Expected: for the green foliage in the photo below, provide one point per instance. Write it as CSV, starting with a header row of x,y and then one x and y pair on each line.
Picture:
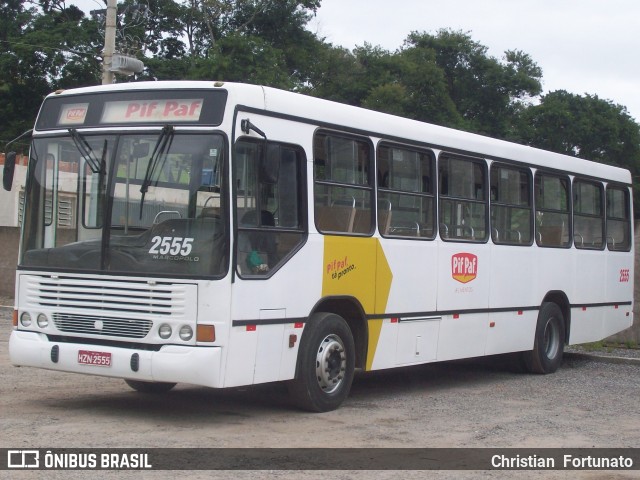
x,y
244,59
586,127
41,51
446,77
485,91
583,126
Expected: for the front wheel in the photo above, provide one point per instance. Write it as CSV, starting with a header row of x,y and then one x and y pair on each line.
x,y
548,346
326,364
150,387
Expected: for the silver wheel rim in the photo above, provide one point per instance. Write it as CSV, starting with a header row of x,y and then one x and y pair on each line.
x,y
551,338
331,363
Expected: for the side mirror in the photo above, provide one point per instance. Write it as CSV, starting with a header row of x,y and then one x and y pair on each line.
x,y
9,167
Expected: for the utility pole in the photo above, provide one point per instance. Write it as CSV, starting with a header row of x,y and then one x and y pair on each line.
x,y
109,42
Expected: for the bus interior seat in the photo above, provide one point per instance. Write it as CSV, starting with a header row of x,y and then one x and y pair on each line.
x,y
362,221
335,218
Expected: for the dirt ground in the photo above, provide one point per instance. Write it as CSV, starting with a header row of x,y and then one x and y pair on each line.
x,y
587,403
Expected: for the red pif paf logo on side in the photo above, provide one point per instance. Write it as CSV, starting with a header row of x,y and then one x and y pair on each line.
x,y
464,267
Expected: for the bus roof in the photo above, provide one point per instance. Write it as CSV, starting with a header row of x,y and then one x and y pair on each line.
x,y
377,124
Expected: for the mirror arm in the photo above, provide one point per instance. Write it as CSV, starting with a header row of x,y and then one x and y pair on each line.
x,y
246,126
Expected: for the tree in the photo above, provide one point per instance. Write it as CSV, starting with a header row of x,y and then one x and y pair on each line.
x,y
255,41
487,93
41,50
586,127
583,126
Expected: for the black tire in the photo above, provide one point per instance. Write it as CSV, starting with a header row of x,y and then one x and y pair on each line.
x,y
326,364
149,387
548,346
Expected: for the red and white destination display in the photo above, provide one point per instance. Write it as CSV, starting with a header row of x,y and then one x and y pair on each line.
x,y
100,359
144,111
73,114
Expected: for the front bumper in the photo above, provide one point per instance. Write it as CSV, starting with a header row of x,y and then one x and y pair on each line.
x,y
172,363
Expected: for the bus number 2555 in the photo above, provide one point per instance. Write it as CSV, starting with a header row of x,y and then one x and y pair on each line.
x,y
171,246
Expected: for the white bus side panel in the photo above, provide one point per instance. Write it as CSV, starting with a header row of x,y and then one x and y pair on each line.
x,y
555,272
588,275
414,265
409,337
463,285
618,287
241,356
512,271
260,352
511,331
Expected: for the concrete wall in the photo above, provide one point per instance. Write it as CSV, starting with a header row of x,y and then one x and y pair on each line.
x,y
9,239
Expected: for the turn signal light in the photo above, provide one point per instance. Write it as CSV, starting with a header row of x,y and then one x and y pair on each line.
x,y
205,333
15,318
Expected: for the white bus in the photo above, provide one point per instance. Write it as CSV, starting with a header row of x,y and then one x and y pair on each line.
x,y
224,234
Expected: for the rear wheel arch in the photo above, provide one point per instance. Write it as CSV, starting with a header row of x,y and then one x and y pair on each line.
x,y
560,298
548,347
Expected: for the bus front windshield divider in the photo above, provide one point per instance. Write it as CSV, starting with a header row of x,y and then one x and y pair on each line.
x,y
163,144
87,152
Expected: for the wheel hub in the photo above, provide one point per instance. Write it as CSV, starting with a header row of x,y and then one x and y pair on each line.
x,y
551,339
331,363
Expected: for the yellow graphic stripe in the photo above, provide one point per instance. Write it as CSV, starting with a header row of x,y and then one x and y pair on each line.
x,y
357,267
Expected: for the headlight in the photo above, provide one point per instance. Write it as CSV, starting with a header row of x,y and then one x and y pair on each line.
x,y
186,333
164,331
43,321
25,319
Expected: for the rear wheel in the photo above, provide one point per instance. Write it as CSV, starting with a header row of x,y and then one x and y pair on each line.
x,y
326,364
548,346
149,387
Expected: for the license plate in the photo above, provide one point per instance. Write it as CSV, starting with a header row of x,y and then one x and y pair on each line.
x,y
101,359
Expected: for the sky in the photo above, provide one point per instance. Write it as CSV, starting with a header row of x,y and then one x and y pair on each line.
x,y
583,46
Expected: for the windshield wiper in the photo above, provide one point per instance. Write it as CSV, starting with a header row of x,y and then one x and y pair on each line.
x,y
162,144
96,166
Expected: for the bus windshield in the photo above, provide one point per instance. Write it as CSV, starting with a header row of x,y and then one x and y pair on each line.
x,y
131,203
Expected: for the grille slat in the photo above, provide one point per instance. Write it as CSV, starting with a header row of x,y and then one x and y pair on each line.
x,y
109,296
115,327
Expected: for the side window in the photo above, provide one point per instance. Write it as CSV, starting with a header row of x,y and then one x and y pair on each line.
x,y
406,204
343,189
588,214
270,204
552,210
463,198
511,205
618,219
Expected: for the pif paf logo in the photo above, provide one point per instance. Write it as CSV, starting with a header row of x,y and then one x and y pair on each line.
x,y
464,267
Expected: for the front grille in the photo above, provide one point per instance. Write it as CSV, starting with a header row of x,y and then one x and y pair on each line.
x,y
104,307
108,296
101,325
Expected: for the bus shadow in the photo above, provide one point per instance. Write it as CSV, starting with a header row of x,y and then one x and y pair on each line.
x,y
236,405
438,376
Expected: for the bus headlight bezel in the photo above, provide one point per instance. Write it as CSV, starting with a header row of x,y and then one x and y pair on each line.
x,y
186,333
42,320
165,331
25,319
